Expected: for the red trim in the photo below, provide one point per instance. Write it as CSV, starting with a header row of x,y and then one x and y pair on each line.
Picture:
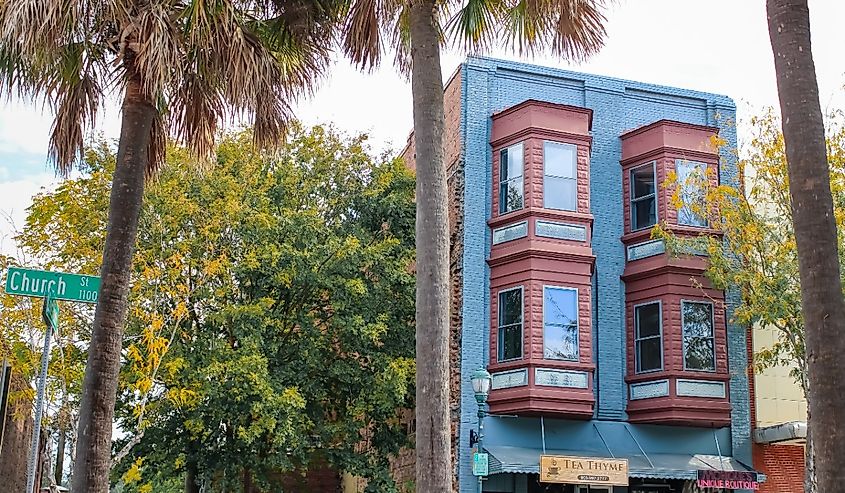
x,y
546,104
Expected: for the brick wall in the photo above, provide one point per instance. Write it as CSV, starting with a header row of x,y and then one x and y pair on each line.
x,y
783,466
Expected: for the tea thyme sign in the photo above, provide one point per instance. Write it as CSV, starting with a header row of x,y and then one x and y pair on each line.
x,y
583,470
51,286
62,286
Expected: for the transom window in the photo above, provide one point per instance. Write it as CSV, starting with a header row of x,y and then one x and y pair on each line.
x,y
560,183
699,344
560,323
648,337
643,197
510,324
691,180
511,186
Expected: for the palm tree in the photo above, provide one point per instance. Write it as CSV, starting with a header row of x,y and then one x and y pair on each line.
x,y
822,304
416,30
182,67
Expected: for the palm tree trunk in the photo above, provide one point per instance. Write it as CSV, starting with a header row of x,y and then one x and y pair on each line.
x,y
93,446
433,444
815,233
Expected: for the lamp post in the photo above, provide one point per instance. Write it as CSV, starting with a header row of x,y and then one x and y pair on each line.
x,y
481,381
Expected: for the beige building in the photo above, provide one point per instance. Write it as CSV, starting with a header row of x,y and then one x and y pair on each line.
x,y
780,423
778,398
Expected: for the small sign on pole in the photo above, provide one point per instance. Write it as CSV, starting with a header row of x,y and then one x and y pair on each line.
x,y
480,464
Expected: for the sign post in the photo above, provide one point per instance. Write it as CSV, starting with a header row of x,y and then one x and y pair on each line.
x,y
51,286
50,314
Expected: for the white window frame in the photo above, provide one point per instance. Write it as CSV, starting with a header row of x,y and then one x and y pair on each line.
x,y
633,200
712,335
696,164
499,346
547,175
521,178
637,337
577,323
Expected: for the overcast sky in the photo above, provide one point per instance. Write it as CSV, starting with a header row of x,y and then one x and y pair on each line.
x,y
719,46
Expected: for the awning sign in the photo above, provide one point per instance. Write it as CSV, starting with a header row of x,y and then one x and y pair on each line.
x,y
583,470
732,480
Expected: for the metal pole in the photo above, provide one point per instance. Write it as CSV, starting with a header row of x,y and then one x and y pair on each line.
x,y
480,440
32,464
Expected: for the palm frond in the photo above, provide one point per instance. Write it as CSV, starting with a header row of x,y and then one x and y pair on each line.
x,y
76,102
477,25
362,33
572,29
159,48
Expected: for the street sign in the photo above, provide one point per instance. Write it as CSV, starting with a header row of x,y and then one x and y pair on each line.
x,y
50,313
480,464
61,286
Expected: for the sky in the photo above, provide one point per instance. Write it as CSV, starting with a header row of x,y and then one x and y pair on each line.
x,y
719,46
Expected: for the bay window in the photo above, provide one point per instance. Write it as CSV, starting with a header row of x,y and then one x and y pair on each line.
x,y
648,337
560,183
699,344
510,324
560,323
511,186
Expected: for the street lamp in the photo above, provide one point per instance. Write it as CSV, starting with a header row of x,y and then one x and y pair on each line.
x,y
481,381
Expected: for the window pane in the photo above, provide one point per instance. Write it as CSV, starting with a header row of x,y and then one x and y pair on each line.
x,y
560,314
691,180
559,159
648,354
644,213
699,350
510,195
510,342
642,181
648,320
559,193
510,307
560,306
511,162
560,342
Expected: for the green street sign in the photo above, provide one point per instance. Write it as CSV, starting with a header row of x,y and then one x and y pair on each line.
x,y
480,464
60,286
50,313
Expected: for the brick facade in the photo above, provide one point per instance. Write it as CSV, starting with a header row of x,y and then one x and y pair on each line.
x,y
783,466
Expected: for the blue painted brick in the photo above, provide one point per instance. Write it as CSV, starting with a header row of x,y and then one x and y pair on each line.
x,y
489,86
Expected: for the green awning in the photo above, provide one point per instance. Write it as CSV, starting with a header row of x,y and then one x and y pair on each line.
x,y
504,459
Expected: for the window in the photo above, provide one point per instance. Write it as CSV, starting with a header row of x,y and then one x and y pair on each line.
x,y
560,189
510,324
510,179
560,323
699,346
648,337
643,197
691,180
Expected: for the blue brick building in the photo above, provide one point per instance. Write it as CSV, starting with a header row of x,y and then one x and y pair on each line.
x,y
599,345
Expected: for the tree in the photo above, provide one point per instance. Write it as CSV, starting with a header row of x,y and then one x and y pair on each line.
x,y
416,30
247,281
756,251
182,67
822,303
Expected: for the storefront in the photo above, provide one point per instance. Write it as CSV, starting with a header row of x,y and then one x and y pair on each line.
x,y
611,457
